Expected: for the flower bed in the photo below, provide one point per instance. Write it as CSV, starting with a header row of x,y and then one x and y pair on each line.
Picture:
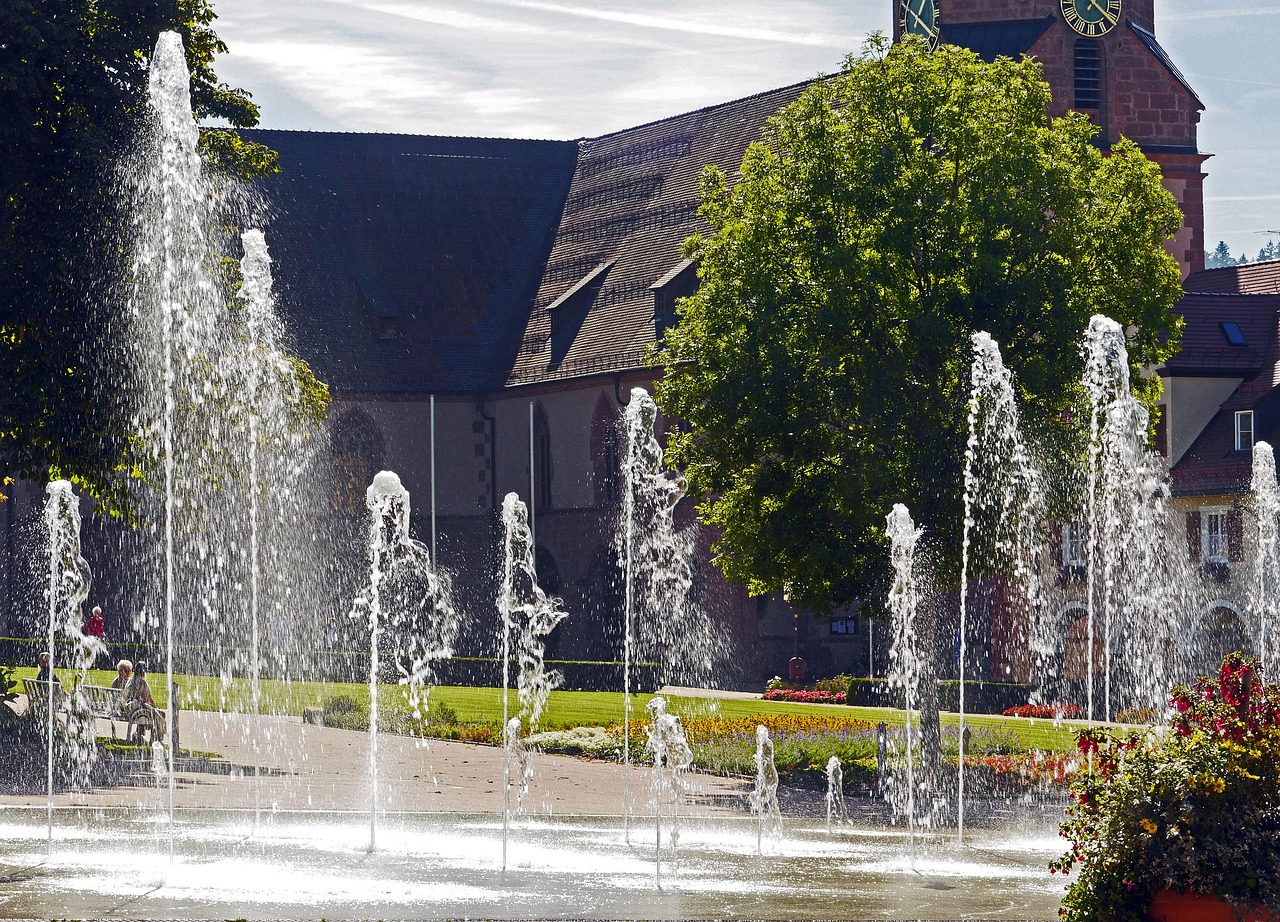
x,y
805,696
1046,711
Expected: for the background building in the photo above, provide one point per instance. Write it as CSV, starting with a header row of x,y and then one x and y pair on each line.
x,y
482,308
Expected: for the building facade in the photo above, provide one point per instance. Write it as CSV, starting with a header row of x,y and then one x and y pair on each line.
x,y
482,309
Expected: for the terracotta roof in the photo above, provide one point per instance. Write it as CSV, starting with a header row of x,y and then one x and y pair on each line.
x,y
990,40
1206,348
411,261
1248,278
632,203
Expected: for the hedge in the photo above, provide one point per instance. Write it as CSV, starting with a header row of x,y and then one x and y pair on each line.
x,y
343,666
979,697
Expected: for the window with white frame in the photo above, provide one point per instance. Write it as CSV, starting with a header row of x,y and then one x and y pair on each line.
x,y
1244,430
1214,535
1073,538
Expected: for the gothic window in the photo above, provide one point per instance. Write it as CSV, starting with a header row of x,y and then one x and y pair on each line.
x,y
356,454
605,454
1088,71
541,460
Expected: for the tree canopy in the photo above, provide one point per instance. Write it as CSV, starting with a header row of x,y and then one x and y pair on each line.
x,y
73,88
821,369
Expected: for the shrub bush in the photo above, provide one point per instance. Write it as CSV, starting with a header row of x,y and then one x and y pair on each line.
x,y
1191,809
979,697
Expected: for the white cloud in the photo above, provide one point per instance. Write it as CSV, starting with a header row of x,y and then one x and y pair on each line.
x,y
1199,13
725,22
573,68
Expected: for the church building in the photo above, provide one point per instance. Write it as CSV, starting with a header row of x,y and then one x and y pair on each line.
x,y
482,308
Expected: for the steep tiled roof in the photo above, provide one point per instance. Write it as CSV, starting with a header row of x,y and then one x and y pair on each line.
x,y
1206,349
991,40
633,201
1212,465
411,261
1249,278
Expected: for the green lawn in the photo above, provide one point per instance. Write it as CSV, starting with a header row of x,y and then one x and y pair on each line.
x,y
566,709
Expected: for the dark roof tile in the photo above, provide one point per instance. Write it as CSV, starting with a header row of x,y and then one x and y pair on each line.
x,y
411,261
1206,349
633,201
1248,278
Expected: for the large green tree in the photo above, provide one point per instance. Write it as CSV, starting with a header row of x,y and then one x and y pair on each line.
x,y
821,370
73,79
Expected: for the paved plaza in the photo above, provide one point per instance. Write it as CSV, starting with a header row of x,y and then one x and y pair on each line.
x,y
307,767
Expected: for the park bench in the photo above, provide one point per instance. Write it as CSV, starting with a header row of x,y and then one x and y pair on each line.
x,y
100,700
38,699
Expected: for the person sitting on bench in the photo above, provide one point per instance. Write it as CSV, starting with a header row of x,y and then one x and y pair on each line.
x,y
124,672
141,706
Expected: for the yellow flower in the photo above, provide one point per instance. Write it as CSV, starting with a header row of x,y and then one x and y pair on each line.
x,y
1149,826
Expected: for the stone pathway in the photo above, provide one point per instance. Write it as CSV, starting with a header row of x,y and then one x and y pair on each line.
x,y
305,767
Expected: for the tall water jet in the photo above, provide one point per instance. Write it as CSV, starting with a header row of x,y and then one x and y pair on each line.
x,y
261,329
1129,531
661,619
408,607
209,387
528,616
1003,503
904,658
837,812
764,797
672,757
175,306
69,580
1266,509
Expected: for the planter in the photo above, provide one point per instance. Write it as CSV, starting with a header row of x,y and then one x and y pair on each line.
x,y
1171,906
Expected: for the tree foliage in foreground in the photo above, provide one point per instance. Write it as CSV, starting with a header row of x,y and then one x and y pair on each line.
x,y
822,367
73,81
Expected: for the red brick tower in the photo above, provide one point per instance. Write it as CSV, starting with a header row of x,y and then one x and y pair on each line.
x,y
1100,57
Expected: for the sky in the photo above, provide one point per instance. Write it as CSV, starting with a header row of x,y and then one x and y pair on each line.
x,y
571,68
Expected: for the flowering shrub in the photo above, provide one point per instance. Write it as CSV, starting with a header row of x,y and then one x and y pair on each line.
x,y
1137,716
1046,711
802,743
805,696
1014,773
1195,808
839,684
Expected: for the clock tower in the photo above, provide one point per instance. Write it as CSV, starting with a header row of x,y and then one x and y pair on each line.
x,y
1102,58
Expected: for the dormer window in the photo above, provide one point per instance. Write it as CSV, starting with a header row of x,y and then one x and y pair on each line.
x,y
1244,430
1231,330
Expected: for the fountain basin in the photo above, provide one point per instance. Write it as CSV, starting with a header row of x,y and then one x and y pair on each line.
x,y
107,862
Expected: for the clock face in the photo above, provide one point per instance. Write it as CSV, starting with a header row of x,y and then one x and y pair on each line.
x,y
1091,17
920,18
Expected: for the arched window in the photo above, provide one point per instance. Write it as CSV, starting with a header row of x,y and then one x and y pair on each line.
x,y
356,452
1220,629
604,453
542,460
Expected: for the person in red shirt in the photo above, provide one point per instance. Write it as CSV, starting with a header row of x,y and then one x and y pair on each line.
x,y
96,626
